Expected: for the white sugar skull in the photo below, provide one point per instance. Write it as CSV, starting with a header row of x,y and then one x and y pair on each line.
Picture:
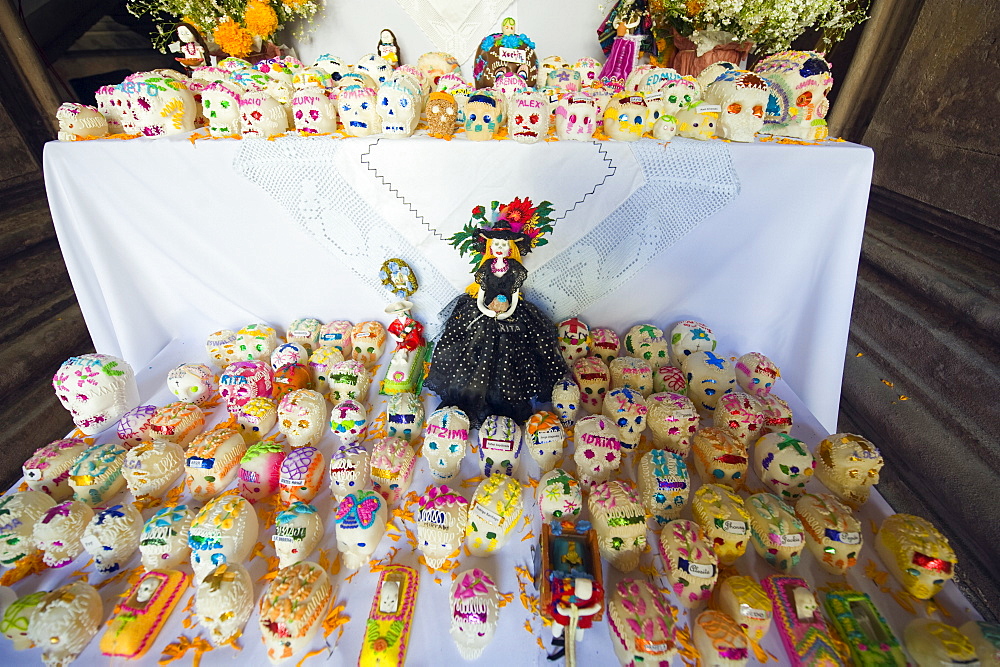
x,y
368,340
713,72
301,475
213,462
559,496
356,105
598,450
784,464
576,118
224,601
289,353
256,342
698,121
742,100
689,562
293,608
108,101
528,120
633,373
800,83
677,94
550,63
545,440
349,470
153,467
777,534
620,522
358,79
260,470
665,127
312,78
97,474
221,347
720,458
639,334
566,401
193,383
709,376
849,466
97,389
458,88
65,621
481,117
496,509
297,532
133,427
349,380
360,517
442,115
163,542
251,80
509,84
664,484
349,421
391,468
244,380
404,416
628,410
337,334
446,439
669,379
625,117
833,535
475,608
177,422
499,446
112,536
723,517
79,120
436,64
398,108
673,421
220,104
256,418
777,413
332,65
305,331
756,374
59,530
593,378
605,344
262,115
574,340
375,66
162,105
441,521
740,415
319,367
565,79
302,417
589,70
224,531
47,470
640,619
19,512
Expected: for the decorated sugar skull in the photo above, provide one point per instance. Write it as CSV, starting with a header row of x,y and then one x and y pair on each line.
x,y
689,336
251,80
655,352
545,439
301,475
177,422
441,519
576,118
739,414
625,117
332,65
391,468
193,383
108,98
720,458
499,446
639,334
368,340
605,344
641,621
244,380
777,413
349,470
133,427
564,79
574,340
159,105
593,378
916,554
633,373
566,401
337,334
356,105
724,519
153,467
261,115
19,512
481,118
293,608
460,90
475,607
598,450
800,83
589,70
528,119
669,379
224,601
297,532
442,114
930,642
256,418
665,127
213,462
404,416
436,64
832,534
698,121
319,367
256,342
65,621
620,522
776,533
312,77
709,376
358,79
784,464
97,474
221,347
97,389
163,542
302,417
47,470
673,421
220,103
398,108
677,94
446,439
549,64
713,72
112,536
59,530
360,518
744,601
79,120
628,410
224,531
260,470
721,639
849,466
16,619
377,67
688,561
349,421
559,496
289,353
289,378
742,100
756,374
664,484
496,509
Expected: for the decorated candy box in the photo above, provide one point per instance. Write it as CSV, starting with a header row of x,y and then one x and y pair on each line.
x,y
19,512
862,628
193,383
743,599
224,601
133,427
495,511
97,475
803,631
302,417
224,530
213,461
136,622
931,643
784,464
292,609
689,562
163,542
297,532
475,608
664,484
349,421
598,450
112,536
65,620
256,418
152,467
177,422
260,470
566,401
499,446
545,440
620,522
916,554
360,518
442,518
720,641
832,533
392,463
387,631
97,389
641,623
627,409
301,475
722,514
849,466
739,415
47,470
776,532
673,421
349,470
559,496
719,458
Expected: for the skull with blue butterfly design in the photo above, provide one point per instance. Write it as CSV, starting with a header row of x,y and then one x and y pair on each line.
x,y
360,518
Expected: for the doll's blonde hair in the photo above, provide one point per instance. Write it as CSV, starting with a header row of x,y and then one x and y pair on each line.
x,y
515,253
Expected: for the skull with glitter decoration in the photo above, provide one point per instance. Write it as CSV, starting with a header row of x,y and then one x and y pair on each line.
x,y
224,602
260,470
744,601
97,474
849,466
153,467
598,450
724,518
475,608
261,115
756,374
193,383
177,422
677,94
360,518
545,439
566,401
349,421
256,418
719,458
777,413
499,446
641,621
213,461
302,417
163,542
97,389
244,380
59,530
628,410
391,467
689,562
19,512
709,376
293,608
289,353
224,531
832,533
47,470
495,511
784,464
739,414
301,475
574,340
356,105
559,496
721,639
776,533
800,83
441,519
916,554
664,484
625,117
620,522
528,120
349,470
133,427
742,99
404,416
65,621
633,373
297,532
112,536
446,439
593,378
576,118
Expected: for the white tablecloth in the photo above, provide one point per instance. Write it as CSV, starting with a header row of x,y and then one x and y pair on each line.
x,y
168,241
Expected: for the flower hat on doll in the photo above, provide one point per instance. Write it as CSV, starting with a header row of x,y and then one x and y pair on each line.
x,y
519,221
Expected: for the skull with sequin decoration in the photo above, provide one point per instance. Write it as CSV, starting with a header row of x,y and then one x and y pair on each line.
x,y
593,378
689,562
224,530
574,340
620,522
720,458
673,421
499,446
849,466
664,484
97,389
598,450
800,83
784,464
360,518
709,376
625,117
441,521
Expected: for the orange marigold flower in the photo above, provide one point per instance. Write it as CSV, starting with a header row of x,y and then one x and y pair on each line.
x,y
233,38
260,19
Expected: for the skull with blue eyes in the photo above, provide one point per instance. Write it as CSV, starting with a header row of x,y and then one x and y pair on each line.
x,y
446,439
481,118
709,376
627,409
356,106
566,401
663,484
499,446
756,374
375,66
398,109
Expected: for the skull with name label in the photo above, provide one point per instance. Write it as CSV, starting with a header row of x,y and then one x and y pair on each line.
x,y
528,120
742,100
314,112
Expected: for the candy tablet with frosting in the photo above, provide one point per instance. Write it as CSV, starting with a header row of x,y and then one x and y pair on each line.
x,y
776,533
743,599
213,461
97,474
152,467
475,609
302,472
441,521
688,561
916,554
496,508
641,622
620,522
137,621
48,468
293,608
177,422
723,517
163,542
833,535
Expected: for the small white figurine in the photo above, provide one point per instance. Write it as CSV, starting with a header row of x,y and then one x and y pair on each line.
x,y
360,517
224,601
59,530
65,621
446,439
97,389
163,542
499,446
475,607
292,609
496,509
784,464
689,562
391,468
442,518
19,512
224,530
47,470
297,532
545,440
664,484
153,467
559,496
598,450
620,522
112,536
302,417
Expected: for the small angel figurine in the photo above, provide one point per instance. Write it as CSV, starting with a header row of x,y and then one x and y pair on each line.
x,y
191,46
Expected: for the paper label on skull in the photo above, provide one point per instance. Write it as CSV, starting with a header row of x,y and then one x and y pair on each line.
x,y
282,538
850,538
545,437
709,108
654,97
290,481
498,445
299,333
89,542
700,570
732,527
752,612
790,540
486,515
513,55
654,648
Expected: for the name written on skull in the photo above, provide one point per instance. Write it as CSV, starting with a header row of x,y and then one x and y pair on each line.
x,y
444,432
